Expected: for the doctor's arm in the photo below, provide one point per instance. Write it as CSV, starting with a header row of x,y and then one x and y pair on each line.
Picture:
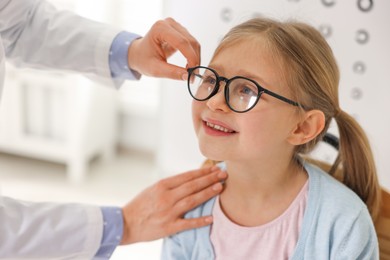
x,y
51,230
37,35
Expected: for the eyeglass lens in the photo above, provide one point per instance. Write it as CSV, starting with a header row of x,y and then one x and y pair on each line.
x,y
241,93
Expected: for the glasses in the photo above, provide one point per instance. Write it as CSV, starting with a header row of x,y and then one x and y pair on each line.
x,y
241,94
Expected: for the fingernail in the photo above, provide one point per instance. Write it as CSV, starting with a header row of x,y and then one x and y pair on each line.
x,y
215,168
217,187
184,76
208,219
222,175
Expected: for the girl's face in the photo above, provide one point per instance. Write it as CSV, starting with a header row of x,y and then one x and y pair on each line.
x,y
259,134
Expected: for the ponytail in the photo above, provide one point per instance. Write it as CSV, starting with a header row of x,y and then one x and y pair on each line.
x,y
358,170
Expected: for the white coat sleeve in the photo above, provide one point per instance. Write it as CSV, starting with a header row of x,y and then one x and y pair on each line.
x,y
48,231
36,35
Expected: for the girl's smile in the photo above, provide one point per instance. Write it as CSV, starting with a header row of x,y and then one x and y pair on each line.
x,y
216,128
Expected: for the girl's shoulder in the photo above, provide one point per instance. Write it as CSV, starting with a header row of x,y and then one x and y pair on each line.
x,y
192,243
330,194
336,220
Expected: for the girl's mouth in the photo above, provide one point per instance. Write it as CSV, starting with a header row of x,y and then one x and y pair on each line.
x,y
217,129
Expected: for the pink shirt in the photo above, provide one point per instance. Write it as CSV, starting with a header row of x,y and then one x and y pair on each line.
x,y
274,240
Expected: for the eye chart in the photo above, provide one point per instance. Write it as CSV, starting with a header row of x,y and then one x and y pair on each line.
x,y
358,32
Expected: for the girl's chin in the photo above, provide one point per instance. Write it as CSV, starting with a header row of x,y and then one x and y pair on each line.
x,y
214,156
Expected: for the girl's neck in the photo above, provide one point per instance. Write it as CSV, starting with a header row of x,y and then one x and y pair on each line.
x,y
258,192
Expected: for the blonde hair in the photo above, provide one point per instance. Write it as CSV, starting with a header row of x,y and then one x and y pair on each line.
x,y
312,75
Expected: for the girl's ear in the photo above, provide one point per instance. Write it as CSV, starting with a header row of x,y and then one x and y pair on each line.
x,y
308,128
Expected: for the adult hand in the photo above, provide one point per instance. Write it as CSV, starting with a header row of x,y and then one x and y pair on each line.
x,y
148,55
158,210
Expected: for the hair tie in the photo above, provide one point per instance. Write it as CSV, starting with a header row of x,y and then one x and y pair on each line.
x,y
337,112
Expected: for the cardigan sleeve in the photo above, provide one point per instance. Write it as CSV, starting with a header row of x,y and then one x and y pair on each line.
x,y
360,240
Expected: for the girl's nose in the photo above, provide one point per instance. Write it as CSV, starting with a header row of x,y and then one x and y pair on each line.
x,y
218,101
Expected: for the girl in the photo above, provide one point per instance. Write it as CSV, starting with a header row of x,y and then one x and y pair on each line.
x,y
264,101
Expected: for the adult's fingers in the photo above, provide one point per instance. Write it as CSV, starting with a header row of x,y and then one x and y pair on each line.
x,y
191,223
169,34
191,201
167,70
194,43
197,185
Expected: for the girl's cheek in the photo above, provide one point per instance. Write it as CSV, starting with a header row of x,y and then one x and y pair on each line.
x,y
196,115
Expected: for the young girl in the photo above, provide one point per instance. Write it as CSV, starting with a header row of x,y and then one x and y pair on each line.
x,y
264,101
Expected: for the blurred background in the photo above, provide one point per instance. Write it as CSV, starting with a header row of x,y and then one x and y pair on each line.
x,y
65,138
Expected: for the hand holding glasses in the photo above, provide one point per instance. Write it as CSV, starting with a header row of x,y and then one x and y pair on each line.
x,y
241,93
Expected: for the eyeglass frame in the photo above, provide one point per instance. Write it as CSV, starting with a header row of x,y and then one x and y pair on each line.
x,y
227,81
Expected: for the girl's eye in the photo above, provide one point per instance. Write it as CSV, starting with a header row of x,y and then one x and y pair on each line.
x,y
247,90
210,80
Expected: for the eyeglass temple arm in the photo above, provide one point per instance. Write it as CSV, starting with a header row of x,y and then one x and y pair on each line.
x,y
289,101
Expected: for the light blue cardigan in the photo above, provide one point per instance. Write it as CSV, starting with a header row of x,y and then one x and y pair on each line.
x,y
336,225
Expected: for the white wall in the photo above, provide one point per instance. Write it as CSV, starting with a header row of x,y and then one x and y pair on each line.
x,y
363,94
139,100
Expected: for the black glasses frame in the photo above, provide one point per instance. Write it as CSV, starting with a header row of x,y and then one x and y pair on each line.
x,y
261,90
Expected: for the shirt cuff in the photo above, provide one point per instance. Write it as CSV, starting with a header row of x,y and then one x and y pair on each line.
x,y
112,231
118,57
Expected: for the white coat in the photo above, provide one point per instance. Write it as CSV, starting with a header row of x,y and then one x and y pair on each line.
x,y
34,34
